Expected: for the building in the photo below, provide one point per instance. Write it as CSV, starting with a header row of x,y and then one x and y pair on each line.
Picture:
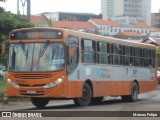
x,y
144,29
127,11
155,19
69,16
111,28
134,36
106,27
155,33
77,25
40,21
95,26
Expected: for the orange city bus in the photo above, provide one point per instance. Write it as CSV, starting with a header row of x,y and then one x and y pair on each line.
x,y
53,63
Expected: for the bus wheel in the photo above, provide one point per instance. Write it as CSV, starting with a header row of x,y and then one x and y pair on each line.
x,y
39,102
96,100
86,96
134,94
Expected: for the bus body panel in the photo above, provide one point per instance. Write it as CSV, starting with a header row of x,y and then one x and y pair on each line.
x,y
114,80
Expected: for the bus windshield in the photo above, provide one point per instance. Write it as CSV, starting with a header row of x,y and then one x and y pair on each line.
x,y
27,57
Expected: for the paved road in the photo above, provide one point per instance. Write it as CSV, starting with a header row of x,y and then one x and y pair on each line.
x,y
147,102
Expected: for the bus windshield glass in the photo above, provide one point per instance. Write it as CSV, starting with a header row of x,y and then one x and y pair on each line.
x,y
36,34
27,57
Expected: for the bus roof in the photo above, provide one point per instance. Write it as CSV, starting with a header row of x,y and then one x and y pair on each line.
x,y
70,32
104,38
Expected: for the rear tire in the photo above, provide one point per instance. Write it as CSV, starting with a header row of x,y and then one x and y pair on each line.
x,y
39,102
134,94
86,96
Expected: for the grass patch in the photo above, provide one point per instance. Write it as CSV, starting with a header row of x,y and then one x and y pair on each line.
x,y
3,90
18,99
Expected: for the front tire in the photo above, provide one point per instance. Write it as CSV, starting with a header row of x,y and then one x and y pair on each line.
x,y
86,96
39,102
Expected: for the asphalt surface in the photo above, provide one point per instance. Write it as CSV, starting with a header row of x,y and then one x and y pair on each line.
x,y
147,102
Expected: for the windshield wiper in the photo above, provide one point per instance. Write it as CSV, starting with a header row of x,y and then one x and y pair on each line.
x,y
43,49
25,52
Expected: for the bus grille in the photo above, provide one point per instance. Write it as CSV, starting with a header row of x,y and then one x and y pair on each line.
x,y
32,76
27,85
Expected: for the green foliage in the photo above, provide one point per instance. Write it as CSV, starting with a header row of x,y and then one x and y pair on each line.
x,y
3,0
1,9
2,88
50,23
10,21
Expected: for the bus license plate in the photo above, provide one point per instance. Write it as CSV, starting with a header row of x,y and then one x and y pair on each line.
x,y
31,92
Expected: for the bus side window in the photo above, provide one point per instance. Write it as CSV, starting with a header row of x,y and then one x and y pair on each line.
x,y
146,57
127,55
88,51
103,53
149,58
111,54
138,55
152,58
116,54
132,56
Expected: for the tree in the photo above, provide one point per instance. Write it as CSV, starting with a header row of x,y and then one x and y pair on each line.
x,y
10,21
3,0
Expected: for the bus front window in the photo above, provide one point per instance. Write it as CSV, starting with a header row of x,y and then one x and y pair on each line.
x,y
27,57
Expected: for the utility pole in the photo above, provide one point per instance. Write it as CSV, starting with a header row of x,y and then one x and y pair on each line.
x,y
28,10
17,6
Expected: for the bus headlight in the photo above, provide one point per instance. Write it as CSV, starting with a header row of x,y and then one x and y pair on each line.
x,y
53,84
13,84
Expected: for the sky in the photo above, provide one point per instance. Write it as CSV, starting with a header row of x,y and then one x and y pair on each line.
x,y
82,6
